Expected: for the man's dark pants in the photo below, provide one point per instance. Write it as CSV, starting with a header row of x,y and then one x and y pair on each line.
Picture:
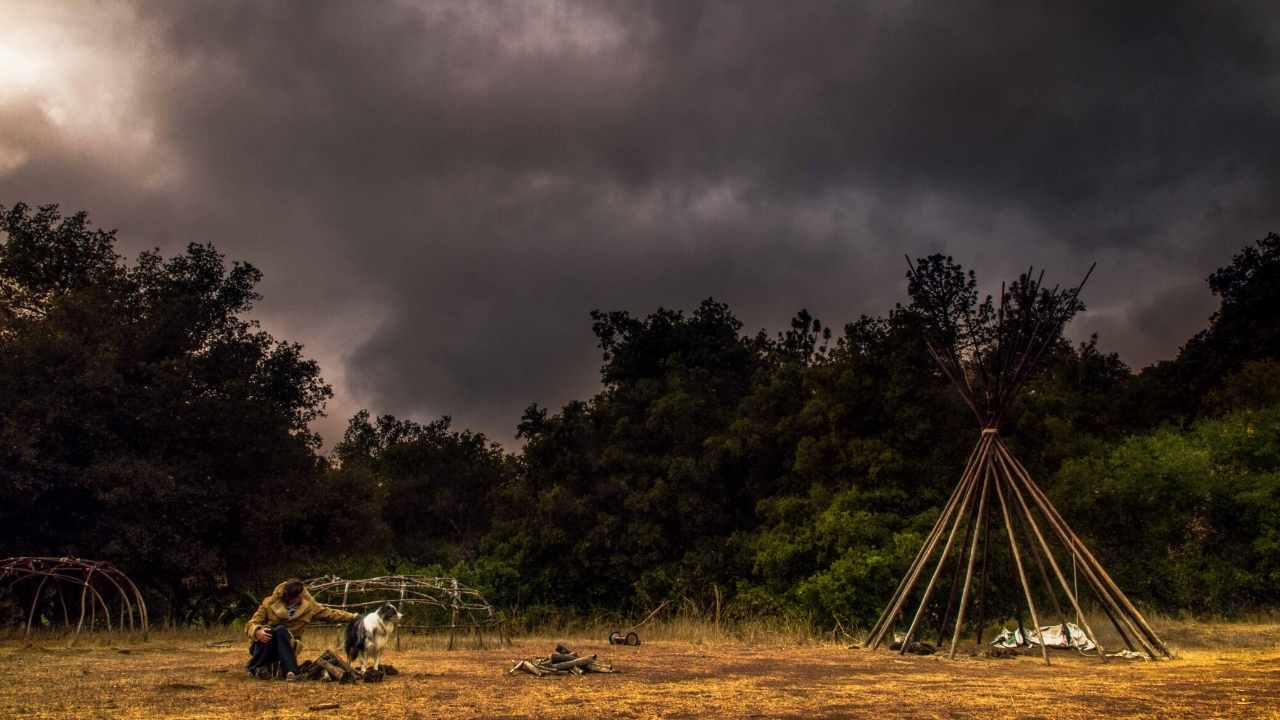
x,y
279,649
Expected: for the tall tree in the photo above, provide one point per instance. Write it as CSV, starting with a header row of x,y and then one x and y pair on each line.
x,y
143,417
437,484
1245,327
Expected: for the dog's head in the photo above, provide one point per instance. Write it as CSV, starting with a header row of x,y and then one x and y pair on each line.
x,y
389,614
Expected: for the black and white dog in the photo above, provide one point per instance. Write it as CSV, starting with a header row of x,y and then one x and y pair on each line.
x,y
368,635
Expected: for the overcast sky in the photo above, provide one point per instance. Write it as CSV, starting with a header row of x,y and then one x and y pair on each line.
x,y
438,193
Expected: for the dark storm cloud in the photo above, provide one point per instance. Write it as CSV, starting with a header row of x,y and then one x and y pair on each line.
x,y
439,193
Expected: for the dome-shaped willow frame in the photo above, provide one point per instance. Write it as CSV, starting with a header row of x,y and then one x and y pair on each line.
x,y
466,607
95,585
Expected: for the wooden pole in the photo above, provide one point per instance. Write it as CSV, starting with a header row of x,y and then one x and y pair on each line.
x,y
983,579
946,548
1048,584
904,588
1022,575
968,574
453,626
83,595
124,597
927,550
62,600
1110,604
955,585
397,609
1044,545
106,611
142,607
887,615
1090,561
34,603
1107,603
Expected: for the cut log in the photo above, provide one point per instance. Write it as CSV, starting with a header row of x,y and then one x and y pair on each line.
x,y
337,660
562,661
570,664
914,647
528,667
311,670
333,671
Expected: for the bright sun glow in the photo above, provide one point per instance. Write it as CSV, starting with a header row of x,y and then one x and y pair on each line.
x,y
26,68
79,66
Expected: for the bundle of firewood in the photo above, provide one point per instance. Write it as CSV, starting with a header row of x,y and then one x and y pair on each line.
x,y
329,667
562,661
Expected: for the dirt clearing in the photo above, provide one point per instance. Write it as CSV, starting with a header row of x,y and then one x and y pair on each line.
x,y
185,678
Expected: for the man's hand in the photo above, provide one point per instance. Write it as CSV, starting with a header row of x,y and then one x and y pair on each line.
x,y
262,635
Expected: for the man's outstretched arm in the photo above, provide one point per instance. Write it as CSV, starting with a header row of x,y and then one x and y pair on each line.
x,y
328,614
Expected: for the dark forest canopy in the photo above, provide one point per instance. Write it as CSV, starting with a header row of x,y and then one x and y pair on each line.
x,y
146,419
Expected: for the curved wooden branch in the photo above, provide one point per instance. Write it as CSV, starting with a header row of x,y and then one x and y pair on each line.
x,y
79,572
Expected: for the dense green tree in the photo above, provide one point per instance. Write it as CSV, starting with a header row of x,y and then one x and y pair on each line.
x,y
142,417
435,485
1245,327
617,499
1186,520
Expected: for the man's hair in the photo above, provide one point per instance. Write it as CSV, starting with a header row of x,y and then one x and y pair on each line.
x,y
293,588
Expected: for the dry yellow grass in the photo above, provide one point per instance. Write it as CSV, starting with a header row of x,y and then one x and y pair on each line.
x,y
710,676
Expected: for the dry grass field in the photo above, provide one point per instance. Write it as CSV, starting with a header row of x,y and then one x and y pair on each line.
x,y
1222,670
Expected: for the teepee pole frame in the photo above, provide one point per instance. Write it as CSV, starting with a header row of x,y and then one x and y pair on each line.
x,y
989,356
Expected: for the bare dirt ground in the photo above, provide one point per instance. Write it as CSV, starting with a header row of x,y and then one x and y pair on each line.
x,y
183,677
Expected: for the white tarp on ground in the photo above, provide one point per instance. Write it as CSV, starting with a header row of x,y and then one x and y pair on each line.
x,y
1066,635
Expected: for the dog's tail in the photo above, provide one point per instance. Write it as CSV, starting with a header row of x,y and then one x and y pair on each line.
x,y
355,638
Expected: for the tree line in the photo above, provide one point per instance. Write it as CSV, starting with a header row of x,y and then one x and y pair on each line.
x,y
146,419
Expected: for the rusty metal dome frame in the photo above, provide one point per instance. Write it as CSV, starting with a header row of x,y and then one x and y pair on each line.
x,y
101,584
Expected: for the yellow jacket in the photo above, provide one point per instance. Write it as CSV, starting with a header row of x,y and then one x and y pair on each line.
x,y
273,611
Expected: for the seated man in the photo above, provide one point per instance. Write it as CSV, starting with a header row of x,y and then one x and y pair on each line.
x,y
279,620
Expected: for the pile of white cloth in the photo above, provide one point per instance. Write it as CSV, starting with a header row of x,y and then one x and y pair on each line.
x,y
1066,635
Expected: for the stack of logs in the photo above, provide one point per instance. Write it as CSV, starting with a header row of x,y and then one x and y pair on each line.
x,y
331,668
562,662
